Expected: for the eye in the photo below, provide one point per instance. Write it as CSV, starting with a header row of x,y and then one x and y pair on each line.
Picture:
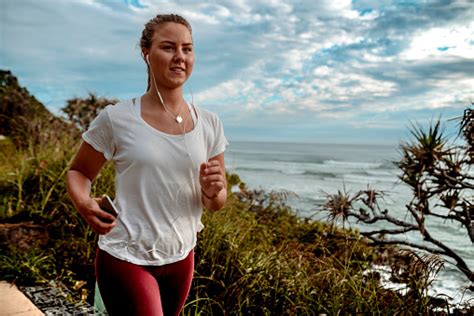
x,y
187,50
168,48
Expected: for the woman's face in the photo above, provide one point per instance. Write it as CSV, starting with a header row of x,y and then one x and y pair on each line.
x,y
171,55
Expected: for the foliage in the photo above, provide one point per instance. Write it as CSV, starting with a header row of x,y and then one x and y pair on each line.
x,y
254,257
439,174
25,120
35,191
81,111
30,267
466,128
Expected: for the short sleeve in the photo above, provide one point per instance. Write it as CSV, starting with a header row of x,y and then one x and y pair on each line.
x,y
100,135
220,142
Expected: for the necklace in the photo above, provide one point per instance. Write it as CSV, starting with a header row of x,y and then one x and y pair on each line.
x,y
178,118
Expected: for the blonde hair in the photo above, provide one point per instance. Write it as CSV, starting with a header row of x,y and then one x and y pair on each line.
x,y
152,25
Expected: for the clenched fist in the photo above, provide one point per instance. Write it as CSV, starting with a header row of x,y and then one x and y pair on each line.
x,y
211,178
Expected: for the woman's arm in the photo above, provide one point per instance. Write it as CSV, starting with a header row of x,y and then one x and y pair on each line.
x,y
213,183
85,167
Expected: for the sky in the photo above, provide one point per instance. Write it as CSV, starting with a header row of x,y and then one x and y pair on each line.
x,y
328,71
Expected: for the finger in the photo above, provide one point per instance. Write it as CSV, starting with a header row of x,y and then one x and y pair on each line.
x,y
100,200
102,224
213,178
105,216
203,167
213,163
211,171
99,230
213,187
102,215
102,231
103,228
217,185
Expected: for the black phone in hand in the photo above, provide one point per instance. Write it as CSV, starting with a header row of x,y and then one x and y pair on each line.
x,y
108,205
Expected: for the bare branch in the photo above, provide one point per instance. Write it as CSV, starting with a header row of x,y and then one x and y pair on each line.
x,y
376,241
457,182
460,263
453,217
389,231
384,217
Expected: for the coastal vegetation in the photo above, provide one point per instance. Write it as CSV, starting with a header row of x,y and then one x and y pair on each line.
x,y
438,171
254,257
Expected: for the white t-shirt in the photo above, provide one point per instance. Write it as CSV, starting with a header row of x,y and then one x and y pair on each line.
x,y
157,190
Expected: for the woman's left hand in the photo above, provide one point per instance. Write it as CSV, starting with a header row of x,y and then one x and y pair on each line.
x,y
211,178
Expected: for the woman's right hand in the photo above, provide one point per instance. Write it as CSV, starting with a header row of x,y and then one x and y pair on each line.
x,y
84,168
100,221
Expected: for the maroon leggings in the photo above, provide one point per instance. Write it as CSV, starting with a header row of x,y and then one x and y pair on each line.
x,y
130,289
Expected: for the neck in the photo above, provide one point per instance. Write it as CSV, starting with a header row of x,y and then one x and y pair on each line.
x,y
173,98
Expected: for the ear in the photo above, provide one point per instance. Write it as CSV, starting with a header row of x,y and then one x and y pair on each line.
x,y
145,54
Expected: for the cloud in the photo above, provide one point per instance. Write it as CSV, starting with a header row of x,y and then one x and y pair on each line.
x,y
440,43
328,63
257,62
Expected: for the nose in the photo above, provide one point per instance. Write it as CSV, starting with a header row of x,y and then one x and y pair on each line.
x,y
179,55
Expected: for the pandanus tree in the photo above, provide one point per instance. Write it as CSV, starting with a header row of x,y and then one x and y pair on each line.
x,y
438,172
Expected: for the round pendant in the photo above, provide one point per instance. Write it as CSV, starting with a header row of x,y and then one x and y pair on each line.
x,y
179,119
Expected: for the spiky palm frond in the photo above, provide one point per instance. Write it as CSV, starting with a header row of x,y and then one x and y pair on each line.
x,y
339,205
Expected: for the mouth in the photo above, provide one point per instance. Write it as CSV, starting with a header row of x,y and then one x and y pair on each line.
x,y
178,69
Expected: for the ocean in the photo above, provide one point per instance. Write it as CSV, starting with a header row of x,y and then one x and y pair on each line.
x,y
312,170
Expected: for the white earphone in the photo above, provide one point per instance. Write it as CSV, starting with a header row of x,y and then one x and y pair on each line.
x,y
195,167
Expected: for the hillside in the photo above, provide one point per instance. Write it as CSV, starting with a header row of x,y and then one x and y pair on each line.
x,y
22,117
254,257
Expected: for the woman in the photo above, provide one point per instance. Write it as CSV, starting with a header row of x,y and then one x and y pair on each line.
x,y
169,162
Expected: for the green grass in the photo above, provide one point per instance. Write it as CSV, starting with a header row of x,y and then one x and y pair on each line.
x,y
252,258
